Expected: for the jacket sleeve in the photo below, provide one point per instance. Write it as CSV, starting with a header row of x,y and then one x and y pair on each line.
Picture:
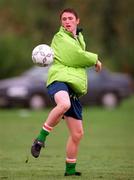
x,y
68,52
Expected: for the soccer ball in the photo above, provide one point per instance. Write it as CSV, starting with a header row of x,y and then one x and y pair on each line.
x,y
42,55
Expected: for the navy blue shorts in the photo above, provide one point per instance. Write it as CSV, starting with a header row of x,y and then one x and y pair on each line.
x,y
75,110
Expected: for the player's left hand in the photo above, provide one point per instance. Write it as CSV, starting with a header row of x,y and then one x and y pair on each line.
x,y
98,66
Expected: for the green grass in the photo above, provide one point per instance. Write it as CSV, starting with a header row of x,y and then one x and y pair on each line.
x,y
106,151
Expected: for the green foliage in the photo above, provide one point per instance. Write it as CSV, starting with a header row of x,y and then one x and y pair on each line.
x,y
108,30
106,150
14,55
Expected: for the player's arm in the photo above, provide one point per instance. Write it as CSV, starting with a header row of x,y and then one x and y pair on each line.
x,y
70,53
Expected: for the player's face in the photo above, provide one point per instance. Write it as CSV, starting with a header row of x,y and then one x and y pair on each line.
x,y
69,22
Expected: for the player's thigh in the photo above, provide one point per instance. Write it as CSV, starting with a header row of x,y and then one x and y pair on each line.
x,y
62,97
74,125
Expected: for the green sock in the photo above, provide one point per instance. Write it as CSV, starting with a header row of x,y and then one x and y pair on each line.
x,y
70,168
43,134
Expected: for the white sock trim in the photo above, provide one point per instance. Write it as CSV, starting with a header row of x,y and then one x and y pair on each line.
x,y
70,160
46,127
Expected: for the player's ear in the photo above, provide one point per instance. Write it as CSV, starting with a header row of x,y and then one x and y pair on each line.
x,y
78,21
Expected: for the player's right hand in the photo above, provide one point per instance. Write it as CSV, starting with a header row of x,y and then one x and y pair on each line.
x,y
98,66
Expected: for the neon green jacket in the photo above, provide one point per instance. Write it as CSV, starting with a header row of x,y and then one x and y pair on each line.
x,y
70,61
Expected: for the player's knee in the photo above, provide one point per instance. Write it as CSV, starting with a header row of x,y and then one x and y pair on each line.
x,y
77,136
64,106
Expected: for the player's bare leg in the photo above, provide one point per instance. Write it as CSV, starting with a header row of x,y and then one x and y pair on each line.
x,y
76,132
62,105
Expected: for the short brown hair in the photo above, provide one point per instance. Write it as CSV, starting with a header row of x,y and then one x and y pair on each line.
x,y
70,10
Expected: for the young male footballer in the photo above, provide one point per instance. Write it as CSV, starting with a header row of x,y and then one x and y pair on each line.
x,y
67,81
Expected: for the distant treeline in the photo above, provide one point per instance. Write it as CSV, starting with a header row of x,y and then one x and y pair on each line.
x,y
108,27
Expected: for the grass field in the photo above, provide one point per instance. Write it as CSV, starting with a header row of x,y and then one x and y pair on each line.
x,y
106,151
